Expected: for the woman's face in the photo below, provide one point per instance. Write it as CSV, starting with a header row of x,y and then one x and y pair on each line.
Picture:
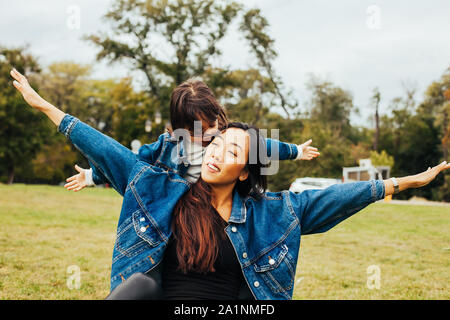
x,y
225,158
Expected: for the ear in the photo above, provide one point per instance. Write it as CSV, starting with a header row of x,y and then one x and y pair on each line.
x,y
244,175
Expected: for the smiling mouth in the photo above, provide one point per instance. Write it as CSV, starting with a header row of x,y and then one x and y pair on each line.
x,y
213,167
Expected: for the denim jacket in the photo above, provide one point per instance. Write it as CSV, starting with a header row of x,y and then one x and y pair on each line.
x,y
170,154
264,233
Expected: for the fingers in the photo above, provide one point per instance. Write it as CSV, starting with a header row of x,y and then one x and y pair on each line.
x,y
444,166
312,151
17,75
441,166
79,169
307,143
71,185
71,178
17,85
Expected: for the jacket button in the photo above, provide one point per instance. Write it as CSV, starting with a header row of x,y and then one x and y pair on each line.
x,y
233,229
244,255
271,261
143,229
256,284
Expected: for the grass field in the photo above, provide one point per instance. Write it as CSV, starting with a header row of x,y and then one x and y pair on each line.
x,y
46,229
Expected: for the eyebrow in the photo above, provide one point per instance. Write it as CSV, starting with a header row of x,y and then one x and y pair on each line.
x,y
235,144
232,143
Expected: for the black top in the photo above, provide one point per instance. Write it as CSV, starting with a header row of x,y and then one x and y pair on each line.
x,y
223,284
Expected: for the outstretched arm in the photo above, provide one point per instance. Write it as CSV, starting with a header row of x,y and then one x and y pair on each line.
x,y
35,100
320,210
417,180
114,160
277,150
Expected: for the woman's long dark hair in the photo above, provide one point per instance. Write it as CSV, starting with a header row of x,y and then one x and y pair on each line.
x,y
195,220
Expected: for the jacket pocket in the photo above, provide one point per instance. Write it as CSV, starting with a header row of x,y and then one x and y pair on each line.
x,y
277,269
136,234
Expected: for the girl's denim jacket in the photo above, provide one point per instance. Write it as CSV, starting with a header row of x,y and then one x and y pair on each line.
x,y
264,233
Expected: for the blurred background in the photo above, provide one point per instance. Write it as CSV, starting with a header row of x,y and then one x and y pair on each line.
x,y
367,81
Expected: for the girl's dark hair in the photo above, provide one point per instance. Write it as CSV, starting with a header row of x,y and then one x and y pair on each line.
x,y
195,220
193,100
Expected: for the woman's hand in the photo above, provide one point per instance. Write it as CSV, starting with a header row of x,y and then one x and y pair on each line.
x,y
417,180
424,178
308,152
35,100
30,96
76,182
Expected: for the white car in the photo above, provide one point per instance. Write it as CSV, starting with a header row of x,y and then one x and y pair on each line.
x,y
302,184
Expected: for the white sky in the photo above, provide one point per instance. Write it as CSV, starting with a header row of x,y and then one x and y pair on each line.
x,y
331,39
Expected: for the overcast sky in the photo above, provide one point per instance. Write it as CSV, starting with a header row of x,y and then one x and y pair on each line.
x,y
356,44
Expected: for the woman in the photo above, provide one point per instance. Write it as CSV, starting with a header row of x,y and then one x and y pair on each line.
x,y
263,228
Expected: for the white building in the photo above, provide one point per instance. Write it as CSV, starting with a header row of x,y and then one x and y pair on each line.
x,y
365,171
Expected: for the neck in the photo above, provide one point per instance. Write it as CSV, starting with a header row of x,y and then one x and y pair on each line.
x,y
222,195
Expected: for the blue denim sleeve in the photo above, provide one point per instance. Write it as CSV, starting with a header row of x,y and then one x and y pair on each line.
x,y
320,210
113,160
277,150
150,152
97,175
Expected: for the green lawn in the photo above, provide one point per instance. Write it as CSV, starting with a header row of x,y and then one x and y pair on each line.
x,y
46,229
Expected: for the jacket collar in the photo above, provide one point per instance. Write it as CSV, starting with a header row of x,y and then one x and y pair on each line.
x,y
238,209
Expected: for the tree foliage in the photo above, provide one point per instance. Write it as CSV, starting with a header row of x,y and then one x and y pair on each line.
x,y
23,131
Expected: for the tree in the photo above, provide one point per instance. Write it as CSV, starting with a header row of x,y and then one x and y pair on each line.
x,y
381,158
437,105
64,84
376,101
186,30
412,138
255,26
23,132
331,106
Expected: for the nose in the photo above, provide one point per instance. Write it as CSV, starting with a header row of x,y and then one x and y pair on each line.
x,y
217,153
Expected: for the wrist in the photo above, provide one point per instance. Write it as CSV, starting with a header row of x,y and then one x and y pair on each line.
x,y
406,182
43,106
299,152
88,177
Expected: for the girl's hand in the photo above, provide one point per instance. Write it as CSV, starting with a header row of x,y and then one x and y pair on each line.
x,y
76,182
308,152
424,178
30,96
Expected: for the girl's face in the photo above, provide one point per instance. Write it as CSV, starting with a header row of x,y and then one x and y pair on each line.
x,y
208,132
225,158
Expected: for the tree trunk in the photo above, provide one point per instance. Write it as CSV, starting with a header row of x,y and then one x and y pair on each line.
x,y
377,125
377,131
446,135
10,174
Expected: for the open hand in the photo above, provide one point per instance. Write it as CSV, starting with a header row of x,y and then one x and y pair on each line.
x,y
308,152
76,182
424,178
30,96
